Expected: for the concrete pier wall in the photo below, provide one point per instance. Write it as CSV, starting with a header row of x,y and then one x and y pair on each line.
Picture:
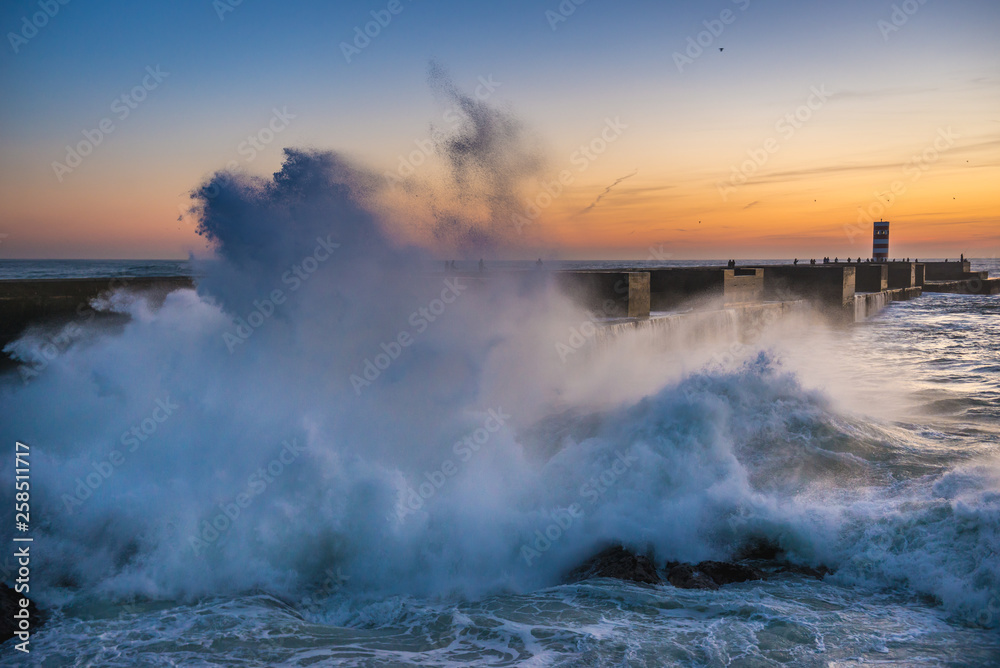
x,y
670,288
958,278
902,275
743,286
869,304
829,285
946,271
730,297
638,294
741,323
674,287
613,294
55,301
970,286
871,277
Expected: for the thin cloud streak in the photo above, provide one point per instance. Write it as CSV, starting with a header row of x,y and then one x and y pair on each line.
x,y
607,190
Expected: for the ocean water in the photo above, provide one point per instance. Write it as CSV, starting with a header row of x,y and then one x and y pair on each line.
x,y
34,269
895,487
326,455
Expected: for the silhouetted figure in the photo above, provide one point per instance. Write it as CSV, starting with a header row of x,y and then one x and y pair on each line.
x,y
813,261
539,263
836,260
481,265
962,259
795,261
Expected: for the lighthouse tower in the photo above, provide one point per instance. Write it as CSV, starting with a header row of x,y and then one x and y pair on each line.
x,y
880,241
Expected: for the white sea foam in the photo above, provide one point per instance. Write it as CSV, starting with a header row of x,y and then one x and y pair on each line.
x,y
205,451
691,465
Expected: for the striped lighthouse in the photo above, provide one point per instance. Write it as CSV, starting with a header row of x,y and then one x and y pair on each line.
x,y
880,241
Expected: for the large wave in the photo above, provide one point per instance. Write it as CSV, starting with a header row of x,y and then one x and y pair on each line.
x,y
325,417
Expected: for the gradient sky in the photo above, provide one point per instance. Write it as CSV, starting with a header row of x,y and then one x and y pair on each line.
x,y
888,96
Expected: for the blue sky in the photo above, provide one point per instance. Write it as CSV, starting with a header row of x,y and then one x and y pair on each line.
x,y
227,73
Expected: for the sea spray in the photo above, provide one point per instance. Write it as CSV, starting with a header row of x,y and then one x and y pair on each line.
x,y
719,455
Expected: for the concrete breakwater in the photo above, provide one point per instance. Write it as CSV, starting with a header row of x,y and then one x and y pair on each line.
x,y
844,293
957,278
57,302
648,299
737,322
971,286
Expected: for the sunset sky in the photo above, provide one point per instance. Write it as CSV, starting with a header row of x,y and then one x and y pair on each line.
x,y
784,143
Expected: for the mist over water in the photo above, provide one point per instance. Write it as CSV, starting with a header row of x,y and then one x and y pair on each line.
x,y
323,404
